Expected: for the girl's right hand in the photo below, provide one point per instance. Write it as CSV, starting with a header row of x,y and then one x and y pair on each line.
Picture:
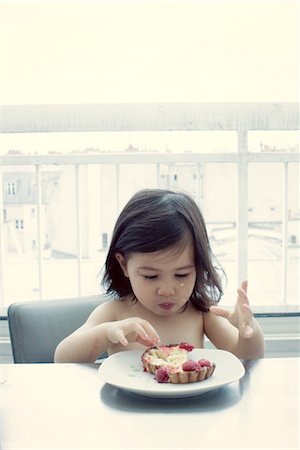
x,y
133,329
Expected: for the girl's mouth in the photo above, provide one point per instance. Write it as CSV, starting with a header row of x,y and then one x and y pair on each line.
x,y
166,306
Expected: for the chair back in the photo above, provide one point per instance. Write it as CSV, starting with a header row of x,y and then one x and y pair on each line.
x,y
37,327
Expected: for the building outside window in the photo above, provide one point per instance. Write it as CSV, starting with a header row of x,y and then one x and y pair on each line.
x,y
11,189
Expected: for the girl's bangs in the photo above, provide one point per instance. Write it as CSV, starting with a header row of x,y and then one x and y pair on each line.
x,y
159,238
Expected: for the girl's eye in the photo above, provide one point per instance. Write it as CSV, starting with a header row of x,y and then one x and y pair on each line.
x,y
150,277
181,275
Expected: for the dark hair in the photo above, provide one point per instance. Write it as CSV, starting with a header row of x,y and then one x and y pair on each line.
x,y
157,219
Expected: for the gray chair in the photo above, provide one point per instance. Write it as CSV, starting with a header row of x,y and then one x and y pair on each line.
x,y
36,327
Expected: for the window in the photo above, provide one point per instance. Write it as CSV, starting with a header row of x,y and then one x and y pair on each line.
x,y
206,120
11,189
75,187
104,240
19,224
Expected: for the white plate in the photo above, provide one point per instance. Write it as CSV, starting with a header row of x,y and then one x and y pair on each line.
x,y
124,370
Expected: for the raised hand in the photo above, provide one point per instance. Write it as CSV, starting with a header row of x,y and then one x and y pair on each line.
x,y
133,329
242,316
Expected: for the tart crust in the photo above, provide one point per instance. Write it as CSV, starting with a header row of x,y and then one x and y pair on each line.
x,y
192,376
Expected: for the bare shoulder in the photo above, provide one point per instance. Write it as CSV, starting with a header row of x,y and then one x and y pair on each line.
x,y
109,311
106,312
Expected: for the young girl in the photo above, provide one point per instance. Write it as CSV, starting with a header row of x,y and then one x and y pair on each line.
x,y
164,284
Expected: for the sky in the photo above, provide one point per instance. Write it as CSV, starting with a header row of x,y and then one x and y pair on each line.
x,y
117,51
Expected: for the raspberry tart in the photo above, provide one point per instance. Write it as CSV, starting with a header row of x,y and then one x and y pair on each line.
x,y
170,364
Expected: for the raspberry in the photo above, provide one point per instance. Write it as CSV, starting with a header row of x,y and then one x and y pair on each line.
x,y
162,375
204,363
187,347
191,365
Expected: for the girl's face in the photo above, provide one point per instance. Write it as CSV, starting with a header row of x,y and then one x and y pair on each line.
x,y
162,281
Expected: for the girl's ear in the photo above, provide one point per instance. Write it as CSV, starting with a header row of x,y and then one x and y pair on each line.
x,y
122,261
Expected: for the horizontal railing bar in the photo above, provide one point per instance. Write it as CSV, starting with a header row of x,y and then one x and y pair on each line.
x,y
145,158
273,157
149,116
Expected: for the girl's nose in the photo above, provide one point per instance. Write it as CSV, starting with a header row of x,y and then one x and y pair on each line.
x,y
166,289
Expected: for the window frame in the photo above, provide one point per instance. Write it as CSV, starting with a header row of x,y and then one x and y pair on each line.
x,y
241,118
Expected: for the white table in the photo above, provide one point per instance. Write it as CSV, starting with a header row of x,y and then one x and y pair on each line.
x,y
67,406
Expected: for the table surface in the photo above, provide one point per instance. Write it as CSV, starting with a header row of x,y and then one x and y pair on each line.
x,y
67,406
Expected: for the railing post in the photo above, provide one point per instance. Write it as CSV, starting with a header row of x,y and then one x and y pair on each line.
x,y
78,228
199,190
285,232
158,175
242,206
1,241
118,187
39,229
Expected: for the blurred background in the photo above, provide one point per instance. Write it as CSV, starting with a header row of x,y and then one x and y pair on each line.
x,y
192,95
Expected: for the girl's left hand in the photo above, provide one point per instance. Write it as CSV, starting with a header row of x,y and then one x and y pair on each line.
x,y
242,316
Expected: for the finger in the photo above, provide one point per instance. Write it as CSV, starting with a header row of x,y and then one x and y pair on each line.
x,y
247,311
145,331
152,333
244,285
121,337
246,328
141,335
146,342
139,330
242,296
247,315
138,334
221,312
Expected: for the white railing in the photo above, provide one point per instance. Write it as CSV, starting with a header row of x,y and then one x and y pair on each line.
x,y
240,118
77,161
